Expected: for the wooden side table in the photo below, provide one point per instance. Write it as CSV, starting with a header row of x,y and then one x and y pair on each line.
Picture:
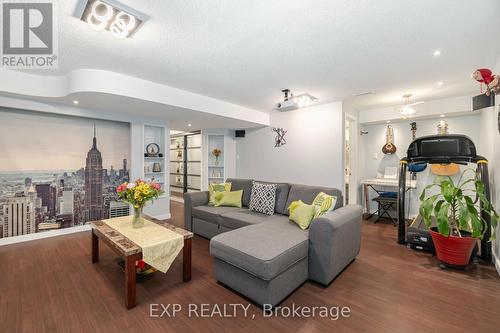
x,y
131,252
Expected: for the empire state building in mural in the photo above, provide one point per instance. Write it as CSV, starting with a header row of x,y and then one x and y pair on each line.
x,y
93,183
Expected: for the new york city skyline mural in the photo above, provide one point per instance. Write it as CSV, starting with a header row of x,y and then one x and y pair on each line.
x,y
59,171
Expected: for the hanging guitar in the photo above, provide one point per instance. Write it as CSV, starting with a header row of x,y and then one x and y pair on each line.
x,y
414,168
389,147
444,169
413,127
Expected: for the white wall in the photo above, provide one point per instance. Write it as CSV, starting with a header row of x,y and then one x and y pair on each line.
x,y
313,154
373,161
490,142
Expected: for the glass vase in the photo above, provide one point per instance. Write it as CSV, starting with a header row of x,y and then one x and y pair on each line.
x,y
137,220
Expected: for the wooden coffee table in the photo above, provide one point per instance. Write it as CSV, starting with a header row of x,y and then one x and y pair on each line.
x,y
131,252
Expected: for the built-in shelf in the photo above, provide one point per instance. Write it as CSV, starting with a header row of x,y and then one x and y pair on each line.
x,y
190,171
154,157
157,135
189,188
215,171
182,148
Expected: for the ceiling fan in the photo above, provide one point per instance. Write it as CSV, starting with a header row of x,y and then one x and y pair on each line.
x,y
407,109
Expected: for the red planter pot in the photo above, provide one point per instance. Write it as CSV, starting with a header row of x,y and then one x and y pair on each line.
x,y
453,250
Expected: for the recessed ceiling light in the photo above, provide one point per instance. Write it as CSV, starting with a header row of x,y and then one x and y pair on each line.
x,y
76,102
436,53
440,83
189,125
442,116
388,121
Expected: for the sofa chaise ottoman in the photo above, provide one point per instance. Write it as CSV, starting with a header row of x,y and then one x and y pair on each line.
x,y
265,258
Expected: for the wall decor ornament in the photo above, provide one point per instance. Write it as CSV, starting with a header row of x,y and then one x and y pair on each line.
x,y
280,137
413,126
389,147
152,150
216,153
156,167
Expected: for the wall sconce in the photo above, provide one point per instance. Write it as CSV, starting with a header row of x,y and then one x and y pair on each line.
x,y
100,16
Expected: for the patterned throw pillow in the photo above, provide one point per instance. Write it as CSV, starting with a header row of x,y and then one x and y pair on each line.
x,y
213,188
263,198
325,202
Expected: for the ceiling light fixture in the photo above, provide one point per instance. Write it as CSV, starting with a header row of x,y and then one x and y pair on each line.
x,y
189,125
436,53
102,16
76,102
291,102
407,109
442,116
440,83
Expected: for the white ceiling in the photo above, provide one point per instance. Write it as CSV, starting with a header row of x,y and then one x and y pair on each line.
x,y
245,52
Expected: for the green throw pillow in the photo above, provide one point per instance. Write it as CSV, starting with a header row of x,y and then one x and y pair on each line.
x,y
302,213
229,199
214,188
325,202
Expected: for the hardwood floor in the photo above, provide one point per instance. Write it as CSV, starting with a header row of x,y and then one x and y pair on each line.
x,y
50,285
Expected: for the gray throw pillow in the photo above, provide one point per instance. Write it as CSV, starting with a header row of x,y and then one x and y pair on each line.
x,y
263,198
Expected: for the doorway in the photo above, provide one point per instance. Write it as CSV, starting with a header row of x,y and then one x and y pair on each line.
x,y
350,160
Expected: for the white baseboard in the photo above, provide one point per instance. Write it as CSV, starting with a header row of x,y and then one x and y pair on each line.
x,y
43,234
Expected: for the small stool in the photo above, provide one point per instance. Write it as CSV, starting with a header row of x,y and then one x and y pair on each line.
x,y
386,202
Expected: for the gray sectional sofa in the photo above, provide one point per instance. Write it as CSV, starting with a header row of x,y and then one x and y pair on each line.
x,y
265,258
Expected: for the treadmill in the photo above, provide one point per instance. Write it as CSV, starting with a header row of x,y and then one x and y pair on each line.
x,y
440,149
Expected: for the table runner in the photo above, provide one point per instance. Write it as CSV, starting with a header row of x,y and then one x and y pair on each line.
x,y
160,246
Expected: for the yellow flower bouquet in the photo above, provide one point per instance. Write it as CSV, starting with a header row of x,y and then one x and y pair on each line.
x,y
138,194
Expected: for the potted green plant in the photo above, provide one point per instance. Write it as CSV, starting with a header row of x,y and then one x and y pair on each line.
x,y
458,216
